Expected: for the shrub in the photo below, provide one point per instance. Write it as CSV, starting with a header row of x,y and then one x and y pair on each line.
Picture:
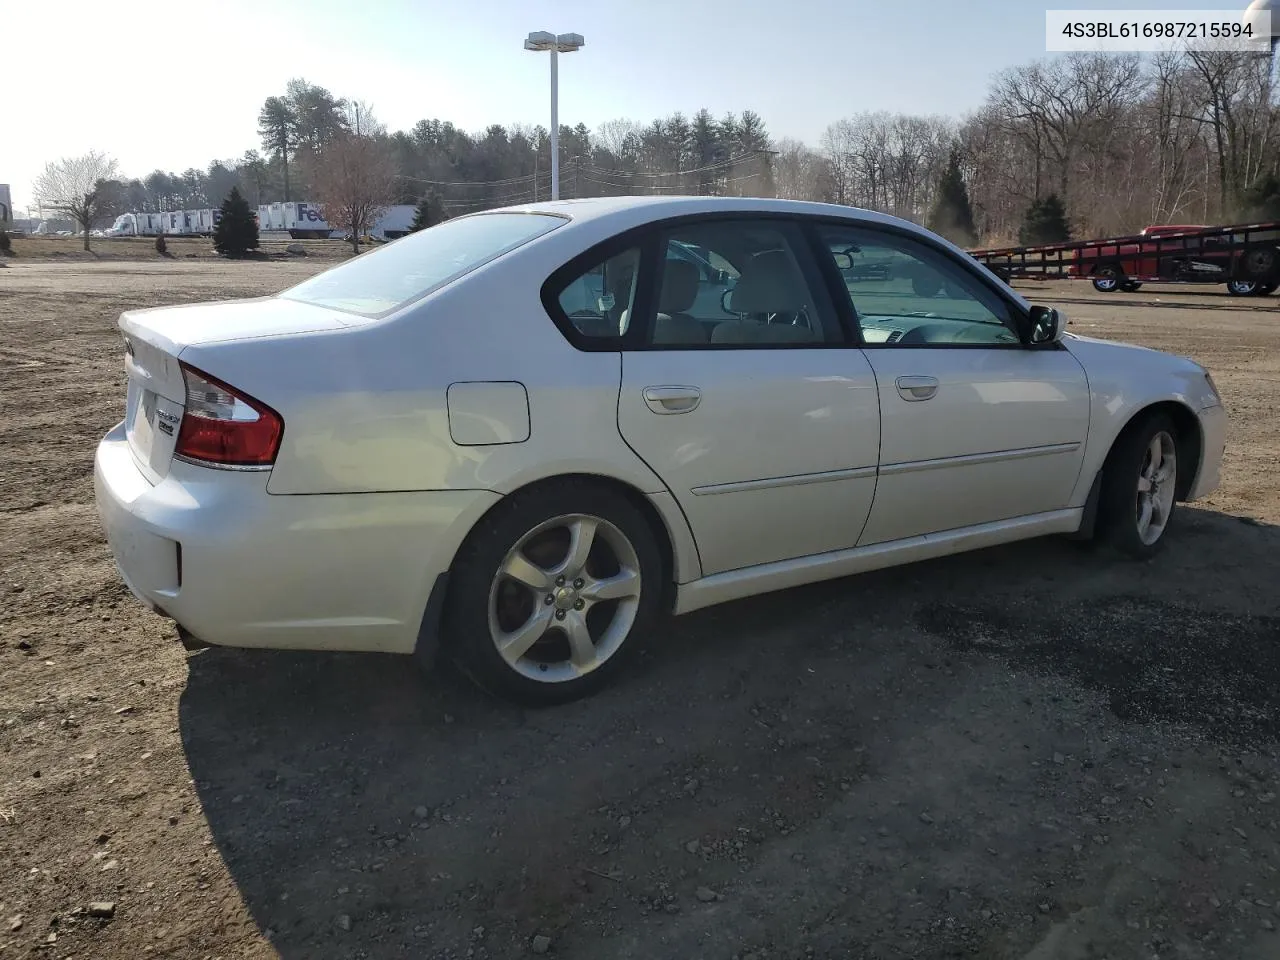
x,y
162,247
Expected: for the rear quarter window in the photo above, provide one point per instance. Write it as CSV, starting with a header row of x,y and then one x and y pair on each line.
x,y
391,277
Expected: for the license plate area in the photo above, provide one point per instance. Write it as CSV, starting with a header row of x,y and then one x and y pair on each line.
x,y
151,426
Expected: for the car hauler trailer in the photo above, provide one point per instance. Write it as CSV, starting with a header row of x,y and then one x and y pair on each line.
x,y
1246,257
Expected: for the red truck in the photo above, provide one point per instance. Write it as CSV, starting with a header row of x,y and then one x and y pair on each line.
x,y
1246,257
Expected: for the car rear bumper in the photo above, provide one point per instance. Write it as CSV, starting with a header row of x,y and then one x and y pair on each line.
x,y
1213,429
237,566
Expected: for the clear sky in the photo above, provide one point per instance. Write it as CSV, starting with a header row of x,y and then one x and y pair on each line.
x,y
151,82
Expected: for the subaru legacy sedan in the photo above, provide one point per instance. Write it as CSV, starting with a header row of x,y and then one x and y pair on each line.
x,y
518,437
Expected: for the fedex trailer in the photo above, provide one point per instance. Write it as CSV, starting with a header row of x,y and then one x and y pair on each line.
x,y
271,216
305,221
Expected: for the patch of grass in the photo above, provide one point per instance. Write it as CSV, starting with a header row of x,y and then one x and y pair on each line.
x,y
144,248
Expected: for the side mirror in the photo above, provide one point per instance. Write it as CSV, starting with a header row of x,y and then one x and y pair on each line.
x,y
724,300
1047,325
843,261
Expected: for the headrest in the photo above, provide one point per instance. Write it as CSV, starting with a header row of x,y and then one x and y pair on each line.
x,y
769,283
679,286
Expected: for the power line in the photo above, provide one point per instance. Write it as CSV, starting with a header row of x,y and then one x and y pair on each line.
x,y
578,165
718,165
469,183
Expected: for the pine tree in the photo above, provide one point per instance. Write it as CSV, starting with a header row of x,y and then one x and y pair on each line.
x,y
1045,222
237,230
1262,200
429,212
952,217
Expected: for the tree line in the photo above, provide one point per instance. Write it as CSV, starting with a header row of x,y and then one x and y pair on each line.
x,y
1116,141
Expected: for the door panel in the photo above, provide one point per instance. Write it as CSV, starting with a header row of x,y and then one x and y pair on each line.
x,y
775,460
1001,436
975,428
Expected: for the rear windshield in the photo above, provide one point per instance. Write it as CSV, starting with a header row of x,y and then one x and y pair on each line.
x,y
386,279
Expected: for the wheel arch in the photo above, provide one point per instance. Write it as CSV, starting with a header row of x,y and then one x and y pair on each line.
x,y
1109,263
676,547
1190,441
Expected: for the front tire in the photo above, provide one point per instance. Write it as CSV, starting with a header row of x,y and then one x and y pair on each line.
x,y
1139,483
1242,288
552,591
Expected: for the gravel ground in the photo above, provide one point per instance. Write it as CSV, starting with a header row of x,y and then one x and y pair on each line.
x,y
1030,752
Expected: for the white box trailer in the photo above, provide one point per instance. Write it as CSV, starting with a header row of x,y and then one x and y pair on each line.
x,y
136,225
395,222
175,223
271,216
203,221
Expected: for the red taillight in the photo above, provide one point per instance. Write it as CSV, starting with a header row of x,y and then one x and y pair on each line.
x,y
222,427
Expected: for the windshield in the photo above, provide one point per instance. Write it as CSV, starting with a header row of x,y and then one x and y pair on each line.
x,y
408,269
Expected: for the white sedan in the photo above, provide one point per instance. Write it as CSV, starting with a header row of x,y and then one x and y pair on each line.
x,y
521,435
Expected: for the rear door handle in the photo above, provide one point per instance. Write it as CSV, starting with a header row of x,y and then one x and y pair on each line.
x,y
667,400
917,388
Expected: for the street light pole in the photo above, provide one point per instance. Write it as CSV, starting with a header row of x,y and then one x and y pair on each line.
x,y
555,127
540,41
1253,13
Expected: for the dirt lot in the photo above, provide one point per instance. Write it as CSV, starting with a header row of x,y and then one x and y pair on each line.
x,y
1032,752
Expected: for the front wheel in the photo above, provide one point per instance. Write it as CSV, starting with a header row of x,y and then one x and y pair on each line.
x,y
1139,487
1242,288
1131,286
551,590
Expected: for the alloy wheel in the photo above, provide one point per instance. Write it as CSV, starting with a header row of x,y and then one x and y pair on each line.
x,y
564,598
1156,481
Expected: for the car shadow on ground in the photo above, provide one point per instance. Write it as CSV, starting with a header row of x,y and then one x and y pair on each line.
x,y
362,807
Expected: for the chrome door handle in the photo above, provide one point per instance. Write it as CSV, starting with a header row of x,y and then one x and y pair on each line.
x,y
672,399
917,388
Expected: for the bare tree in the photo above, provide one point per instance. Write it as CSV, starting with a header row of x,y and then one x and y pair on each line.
x,y
76,187
887,162
615,135
356,180
1062,107
361,120
1237,108
799,173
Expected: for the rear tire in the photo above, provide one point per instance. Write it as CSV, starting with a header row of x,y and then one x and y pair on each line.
x,y
1259,262
1266,289
1138,501
551,592
1242,288
1131,286
1108,278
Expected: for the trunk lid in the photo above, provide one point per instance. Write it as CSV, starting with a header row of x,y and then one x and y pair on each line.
x,y
153,405
155,338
